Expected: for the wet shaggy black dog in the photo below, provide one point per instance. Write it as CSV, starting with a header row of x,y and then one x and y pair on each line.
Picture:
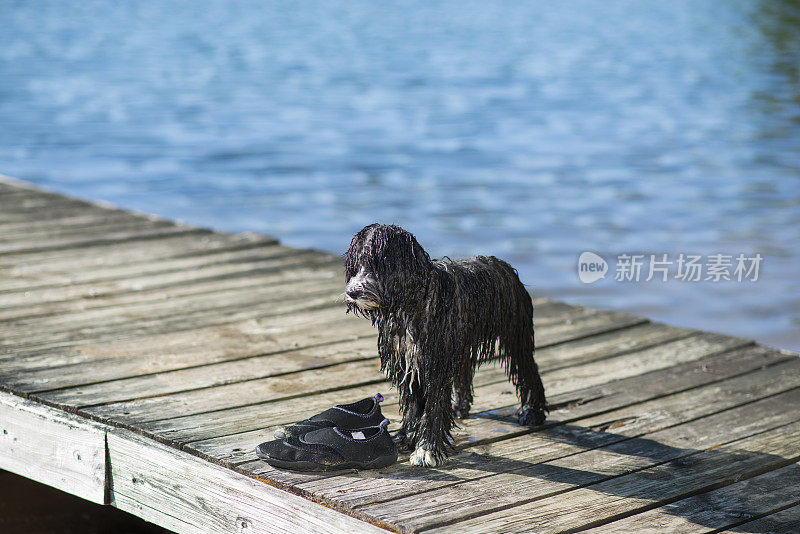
x,y
438,320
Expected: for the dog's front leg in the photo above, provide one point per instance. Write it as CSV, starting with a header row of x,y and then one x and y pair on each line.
x,y
434,427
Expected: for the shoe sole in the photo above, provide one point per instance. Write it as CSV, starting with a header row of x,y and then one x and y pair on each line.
x,y
377,463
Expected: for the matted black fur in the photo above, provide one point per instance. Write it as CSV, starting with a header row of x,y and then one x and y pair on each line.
x,y
438,320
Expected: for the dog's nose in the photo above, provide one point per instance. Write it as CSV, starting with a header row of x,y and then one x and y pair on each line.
x,y
355,294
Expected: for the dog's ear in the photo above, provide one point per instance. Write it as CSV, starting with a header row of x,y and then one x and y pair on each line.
x,y
402,266
353,257
384,247
394,257
397,248
399,264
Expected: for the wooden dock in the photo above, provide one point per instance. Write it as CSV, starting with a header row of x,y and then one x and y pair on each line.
x,y
141,361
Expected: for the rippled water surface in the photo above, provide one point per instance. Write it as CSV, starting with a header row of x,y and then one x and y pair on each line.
x,y
528,130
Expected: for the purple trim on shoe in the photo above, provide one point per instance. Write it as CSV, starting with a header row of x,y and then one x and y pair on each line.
x,y
384,424
376,405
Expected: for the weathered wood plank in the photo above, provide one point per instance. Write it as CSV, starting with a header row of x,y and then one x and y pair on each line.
x,y
50,378
52,211
714,367
195,346
50,269
721,508
237,448
21,207
210,304
66,313
203,315
153,515
43,375
82,219
52,447
127,253
322,282
257,415
605,345
282,265
13,240
787,520
587,325
26,277
357,489
99,240
10,231
618,367
523,478
238,371
498,394
639,491
115,361
13,187
250,336
171,484
477,471
201,265
270,389
140,382
208,425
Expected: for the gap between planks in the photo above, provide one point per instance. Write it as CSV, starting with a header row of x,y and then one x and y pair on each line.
x,y
249,416
52,370
639,491
658,383
664,441
366,347
602,414
724,508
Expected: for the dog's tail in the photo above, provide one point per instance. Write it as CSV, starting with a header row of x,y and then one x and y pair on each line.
x,y
517,350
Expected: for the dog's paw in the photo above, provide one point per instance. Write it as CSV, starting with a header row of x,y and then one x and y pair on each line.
x,y
427,458
531,417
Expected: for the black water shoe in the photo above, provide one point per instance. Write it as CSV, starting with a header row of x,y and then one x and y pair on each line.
x,y
332,449
363,413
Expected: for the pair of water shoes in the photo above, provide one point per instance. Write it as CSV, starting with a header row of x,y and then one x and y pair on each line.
x,y
347,436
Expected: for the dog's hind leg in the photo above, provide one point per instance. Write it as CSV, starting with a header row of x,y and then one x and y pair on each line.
x,y
462,389
524,373
533,407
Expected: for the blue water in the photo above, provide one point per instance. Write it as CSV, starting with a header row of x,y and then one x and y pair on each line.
x,y
529,130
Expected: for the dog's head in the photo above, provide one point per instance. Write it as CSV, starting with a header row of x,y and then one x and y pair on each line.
x,y
385,266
